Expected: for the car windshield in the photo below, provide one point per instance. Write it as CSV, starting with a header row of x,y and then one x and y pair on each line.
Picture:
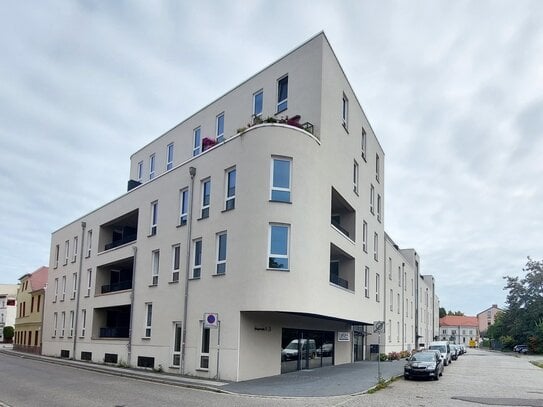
x,y
440,348
292,345
424,357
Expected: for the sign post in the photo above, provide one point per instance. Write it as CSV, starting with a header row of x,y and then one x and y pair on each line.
x,y
378,328
211,320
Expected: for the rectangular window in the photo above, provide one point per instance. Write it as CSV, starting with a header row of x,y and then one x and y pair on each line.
x,y
148,319
230,202
372,199
83,322
363,144
154,218
278,257
57,254
89,281
204,350
140,171
89,243
367,282
398,301
345,112
221,253
355,177
38,303
32,305
282,94
169,157
71,324
74,254
377,287
55,324
206,197
56,290
258,102
151,166
220,128
62,323
183,206
400,277
377,168
376,246
176,256
390,268
379,207
66,251
365,236
155,260
197,265
197,141
177,335
281,178
63,288
74,285
391,300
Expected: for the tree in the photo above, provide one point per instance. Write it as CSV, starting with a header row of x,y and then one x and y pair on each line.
x,y
456,313
523,318
8,333
442,312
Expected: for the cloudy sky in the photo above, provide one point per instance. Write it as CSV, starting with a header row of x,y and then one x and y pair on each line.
x,y
453,90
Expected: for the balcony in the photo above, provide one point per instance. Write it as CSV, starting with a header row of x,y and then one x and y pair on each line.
x,y
118,232
116,276
342,272
112,322
342,216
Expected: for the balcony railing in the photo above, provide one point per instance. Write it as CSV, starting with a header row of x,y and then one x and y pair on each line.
x,y
121,285
114,332
120,242
339,281
338,226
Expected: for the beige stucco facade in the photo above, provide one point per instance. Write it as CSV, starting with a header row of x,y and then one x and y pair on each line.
x,y
487,317
145,272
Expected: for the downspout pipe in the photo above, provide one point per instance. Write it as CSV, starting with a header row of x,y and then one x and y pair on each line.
x,y
76,317
192,173
132,302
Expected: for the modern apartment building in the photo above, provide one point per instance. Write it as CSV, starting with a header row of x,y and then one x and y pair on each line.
x,y
8,304
410,304
239,251
487,317
30,301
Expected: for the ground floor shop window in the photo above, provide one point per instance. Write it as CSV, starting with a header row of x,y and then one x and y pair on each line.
x,y
306,349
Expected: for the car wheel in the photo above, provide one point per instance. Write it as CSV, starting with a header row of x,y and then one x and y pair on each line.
x,y
406,377
436,377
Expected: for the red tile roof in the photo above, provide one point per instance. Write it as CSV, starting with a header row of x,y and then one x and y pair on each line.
x,y
453,320
38,279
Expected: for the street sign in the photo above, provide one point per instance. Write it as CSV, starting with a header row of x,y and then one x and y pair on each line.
x,y
211,320
378,327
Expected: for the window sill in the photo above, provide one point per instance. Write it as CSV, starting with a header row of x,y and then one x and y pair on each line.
x,y
218,275
203,218
145,338
181,225
228,210
363,155
194,278
173,282
287,270
275,200
281,111
151,235
153,285
201,369
74,260
355,190
344,125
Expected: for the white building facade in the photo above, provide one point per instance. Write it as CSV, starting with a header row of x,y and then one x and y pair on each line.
x,y
8,307
235,243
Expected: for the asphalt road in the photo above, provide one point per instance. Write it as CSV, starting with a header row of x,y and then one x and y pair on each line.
x,y
477,378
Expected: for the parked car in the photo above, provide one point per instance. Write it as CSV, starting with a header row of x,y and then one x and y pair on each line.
x,y
308,347
455,351
444,348
426,364
521,348
327,349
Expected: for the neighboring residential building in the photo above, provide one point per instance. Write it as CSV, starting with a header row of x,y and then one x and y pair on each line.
x,y
410,304
30,301
459,329
267,240
8,303
487,317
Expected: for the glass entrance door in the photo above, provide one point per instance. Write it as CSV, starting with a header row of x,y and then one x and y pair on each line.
x,y
306,349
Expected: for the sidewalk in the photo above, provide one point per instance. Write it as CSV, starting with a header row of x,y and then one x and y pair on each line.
x,y
328,381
